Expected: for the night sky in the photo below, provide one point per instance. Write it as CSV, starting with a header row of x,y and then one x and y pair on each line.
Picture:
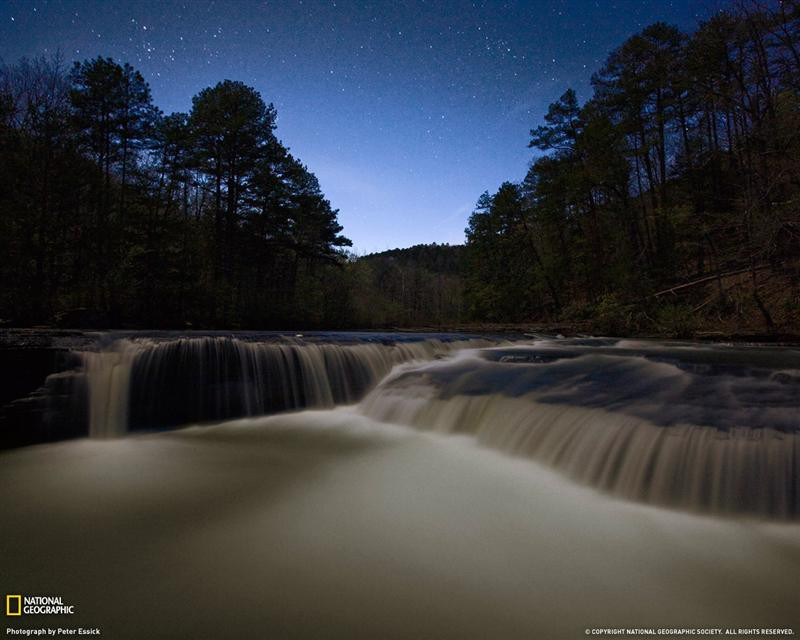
x,y
406,111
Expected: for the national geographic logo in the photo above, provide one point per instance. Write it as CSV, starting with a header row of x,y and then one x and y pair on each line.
x,y
17,605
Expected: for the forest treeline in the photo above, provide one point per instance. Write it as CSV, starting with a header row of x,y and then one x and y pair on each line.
x,y
115,214
670,200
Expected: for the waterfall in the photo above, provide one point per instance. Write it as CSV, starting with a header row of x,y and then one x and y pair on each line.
x,y
706,428
693,433
108,377
145,383
529,512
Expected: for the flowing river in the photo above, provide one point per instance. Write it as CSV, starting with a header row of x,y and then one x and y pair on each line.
x,y
358,486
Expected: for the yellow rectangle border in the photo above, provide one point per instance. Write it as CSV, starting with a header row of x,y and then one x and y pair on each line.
x,y
9,600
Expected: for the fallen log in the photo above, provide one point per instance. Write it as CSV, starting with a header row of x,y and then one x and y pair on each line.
x,y
705,279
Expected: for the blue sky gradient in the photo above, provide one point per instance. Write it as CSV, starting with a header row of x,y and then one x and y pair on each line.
x,y
405,111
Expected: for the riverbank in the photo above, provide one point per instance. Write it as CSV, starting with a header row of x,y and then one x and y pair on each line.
x,y
58,338
587,329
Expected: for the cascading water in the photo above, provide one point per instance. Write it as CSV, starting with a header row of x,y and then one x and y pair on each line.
x,y
343,522
711,429
159,384
705,429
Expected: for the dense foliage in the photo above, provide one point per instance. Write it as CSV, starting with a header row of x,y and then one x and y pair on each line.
x,y
683,168
669,201
421,286
113,213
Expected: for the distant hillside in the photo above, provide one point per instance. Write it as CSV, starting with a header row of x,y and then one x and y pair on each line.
x,y
420,286
436,258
